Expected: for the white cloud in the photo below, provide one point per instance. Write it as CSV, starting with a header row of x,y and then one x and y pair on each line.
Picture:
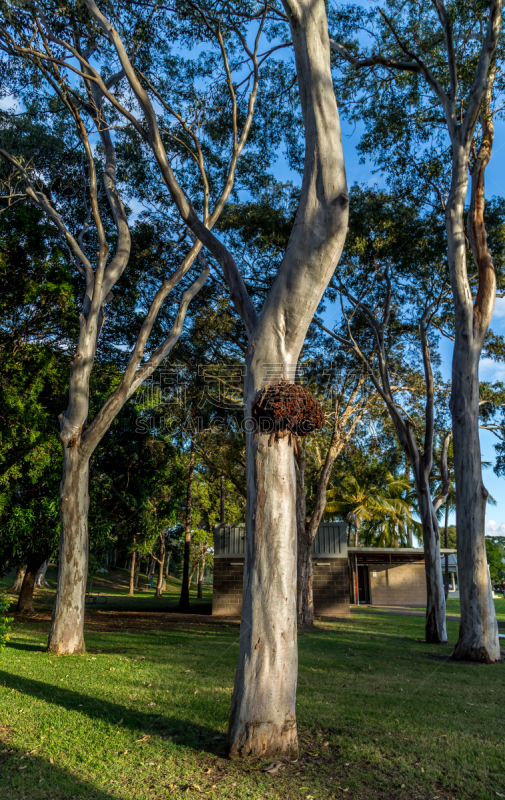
x,y
499,309
9,103
490,370
494,528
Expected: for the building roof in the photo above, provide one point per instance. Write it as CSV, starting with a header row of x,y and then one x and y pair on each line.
x,y
414,550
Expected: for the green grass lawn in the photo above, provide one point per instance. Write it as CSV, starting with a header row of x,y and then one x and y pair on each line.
x,y
143,715
453,607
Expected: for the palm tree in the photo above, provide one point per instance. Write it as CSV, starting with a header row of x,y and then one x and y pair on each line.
x,y
381,513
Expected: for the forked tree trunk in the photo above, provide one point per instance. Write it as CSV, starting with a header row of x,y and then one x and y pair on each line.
x,y
18,580
132,574
25,601
184,599
263,713
66,635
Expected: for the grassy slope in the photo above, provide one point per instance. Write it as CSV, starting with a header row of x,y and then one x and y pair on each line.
x,y
113,587
143,715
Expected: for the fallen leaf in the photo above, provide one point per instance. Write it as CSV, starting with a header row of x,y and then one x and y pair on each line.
x,y
274,767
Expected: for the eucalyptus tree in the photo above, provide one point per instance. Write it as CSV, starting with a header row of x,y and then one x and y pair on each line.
x,y
427,78
393,285
263,719
71,59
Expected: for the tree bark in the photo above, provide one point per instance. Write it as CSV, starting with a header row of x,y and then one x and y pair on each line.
x,y
304,570
202,572
25,601
190,577
66,635
436,632
18,580
184,599
132,572
446,545
478,633
40,578
161,563
263,714
138,563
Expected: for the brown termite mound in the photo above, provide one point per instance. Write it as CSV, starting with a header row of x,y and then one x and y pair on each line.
x,y
286,409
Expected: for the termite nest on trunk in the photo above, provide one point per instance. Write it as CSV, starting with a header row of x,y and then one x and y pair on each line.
x,y
286,409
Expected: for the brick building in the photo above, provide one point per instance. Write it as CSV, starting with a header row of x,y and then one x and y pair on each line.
x,y
342,574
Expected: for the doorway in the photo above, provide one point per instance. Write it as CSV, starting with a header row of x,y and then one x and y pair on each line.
x,y
363,584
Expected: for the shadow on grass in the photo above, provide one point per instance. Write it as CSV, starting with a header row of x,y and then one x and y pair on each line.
x,y
189,735
34,777
29,648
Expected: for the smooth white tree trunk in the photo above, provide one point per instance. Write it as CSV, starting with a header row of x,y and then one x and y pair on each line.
x,y
436,632
66,635
263,717
478,634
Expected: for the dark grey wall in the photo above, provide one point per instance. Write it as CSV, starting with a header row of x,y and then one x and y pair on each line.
x,y
330,541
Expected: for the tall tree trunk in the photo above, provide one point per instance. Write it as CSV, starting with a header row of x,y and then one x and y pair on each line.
x,y
263,716
202,571
40,578
436,632
407,478
18,580
184,599
263,713
132,571
25,601
161,563
190,576
66,635
167,566
478,632
138,564
446,545
304,571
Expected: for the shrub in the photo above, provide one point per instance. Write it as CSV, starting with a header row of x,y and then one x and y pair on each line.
x,y
5,621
